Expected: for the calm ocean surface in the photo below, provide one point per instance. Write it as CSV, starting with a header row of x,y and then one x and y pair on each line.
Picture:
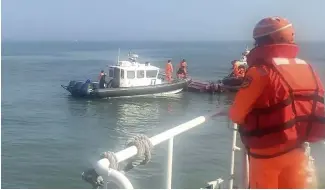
x,y
49,139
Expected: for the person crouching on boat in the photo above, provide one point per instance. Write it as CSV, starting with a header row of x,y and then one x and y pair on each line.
x,y
277,111
169,71
181,73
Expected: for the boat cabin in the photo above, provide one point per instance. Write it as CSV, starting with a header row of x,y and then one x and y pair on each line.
x,y
133,74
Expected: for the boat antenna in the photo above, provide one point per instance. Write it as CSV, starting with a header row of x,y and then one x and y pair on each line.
x,y
118,55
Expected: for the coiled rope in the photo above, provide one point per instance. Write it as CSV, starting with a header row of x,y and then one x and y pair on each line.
x,y
143,156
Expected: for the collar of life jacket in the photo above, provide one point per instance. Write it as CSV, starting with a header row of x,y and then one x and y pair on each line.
x,y
271,51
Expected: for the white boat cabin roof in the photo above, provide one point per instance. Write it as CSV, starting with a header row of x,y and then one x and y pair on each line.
x,y
133,66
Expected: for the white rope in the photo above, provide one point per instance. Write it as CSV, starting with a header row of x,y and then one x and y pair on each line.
x,y
144,147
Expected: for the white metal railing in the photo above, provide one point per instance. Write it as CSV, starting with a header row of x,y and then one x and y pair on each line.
x,y
108,174
102,166
103,169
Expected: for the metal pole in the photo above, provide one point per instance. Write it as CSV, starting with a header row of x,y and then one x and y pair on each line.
x,y
245,170
232,164
118,56
170,163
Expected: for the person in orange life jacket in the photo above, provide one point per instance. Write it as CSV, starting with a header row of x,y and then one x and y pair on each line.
x,y
276,110
100,75
169,71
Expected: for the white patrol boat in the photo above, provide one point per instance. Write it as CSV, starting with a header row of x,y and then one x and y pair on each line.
x,y
127,78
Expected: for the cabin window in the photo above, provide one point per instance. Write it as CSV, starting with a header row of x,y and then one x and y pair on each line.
x,y
122,74
140,74
116,73
111,73
130,74
151,73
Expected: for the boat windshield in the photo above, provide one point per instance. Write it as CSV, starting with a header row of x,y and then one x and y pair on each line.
x,y
117,73
151,73
111,73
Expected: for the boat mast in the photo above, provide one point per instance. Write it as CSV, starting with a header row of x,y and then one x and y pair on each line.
x,y
118,56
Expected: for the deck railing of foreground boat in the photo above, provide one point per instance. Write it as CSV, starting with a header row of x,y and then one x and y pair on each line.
x,y
107,167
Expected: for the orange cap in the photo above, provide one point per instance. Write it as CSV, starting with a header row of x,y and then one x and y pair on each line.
x,y
280,30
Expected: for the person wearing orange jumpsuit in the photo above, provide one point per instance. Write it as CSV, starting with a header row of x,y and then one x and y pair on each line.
x,y
169,71
276,109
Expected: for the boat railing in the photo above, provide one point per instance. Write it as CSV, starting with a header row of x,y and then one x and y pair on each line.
x,y
109,169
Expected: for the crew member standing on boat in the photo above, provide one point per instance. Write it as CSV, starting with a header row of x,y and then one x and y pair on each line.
x,y
169,71
100,75
278,111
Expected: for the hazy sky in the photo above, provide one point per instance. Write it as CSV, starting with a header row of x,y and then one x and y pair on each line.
x,y
154,19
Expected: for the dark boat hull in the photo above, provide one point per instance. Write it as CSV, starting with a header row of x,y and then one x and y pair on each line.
x,y
92,91
228,84
232,81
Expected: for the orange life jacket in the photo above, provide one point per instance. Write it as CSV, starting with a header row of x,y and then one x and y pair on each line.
x,y
291,108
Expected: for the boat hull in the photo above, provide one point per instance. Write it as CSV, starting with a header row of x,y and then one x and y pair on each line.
x,y
228,84
77,89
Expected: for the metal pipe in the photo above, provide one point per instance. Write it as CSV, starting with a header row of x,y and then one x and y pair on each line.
x,y
232,164
245,182
118,178
170,163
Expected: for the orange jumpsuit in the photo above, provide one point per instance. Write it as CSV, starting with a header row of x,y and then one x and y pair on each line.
x,y
285,171
169,72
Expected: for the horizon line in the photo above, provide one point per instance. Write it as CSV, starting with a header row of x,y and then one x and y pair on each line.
x,y
149,40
